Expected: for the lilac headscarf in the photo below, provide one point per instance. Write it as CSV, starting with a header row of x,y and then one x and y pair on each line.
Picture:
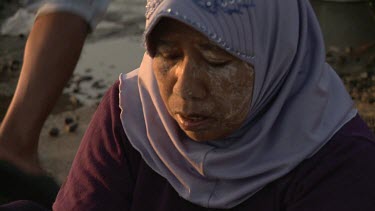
x,y
298,102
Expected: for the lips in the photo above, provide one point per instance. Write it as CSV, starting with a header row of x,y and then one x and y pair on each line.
x,y
193,122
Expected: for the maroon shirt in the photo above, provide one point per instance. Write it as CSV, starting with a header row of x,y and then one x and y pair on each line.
x,y
109,174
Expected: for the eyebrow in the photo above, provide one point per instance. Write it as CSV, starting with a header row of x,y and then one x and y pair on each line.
x,y
204,46
209,46
162,42
212,47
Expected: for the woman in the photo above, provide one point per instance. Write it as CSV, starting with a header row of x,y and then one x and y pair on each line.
x,y
233,107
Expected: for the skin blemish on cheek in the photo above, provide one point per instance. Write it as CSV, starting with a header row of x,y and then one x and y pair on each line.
x,y
233,80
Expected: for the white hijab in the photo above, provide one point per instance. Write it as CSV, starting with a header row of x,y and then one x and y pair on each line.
x,y
298,103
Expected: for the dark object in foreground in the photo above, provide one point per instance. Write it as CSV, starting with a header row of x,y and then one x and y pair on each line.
x,y
17,185
22,205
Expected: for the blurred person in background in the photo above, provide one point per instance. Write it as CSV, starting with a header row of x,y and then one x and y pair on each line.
x,y
52,50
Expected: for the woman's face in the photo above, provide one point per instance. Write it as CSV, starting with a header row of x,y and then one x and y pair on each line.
x,y
205,89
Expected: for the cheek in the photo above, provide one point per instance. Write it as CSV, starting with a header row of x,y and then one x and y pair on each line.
x,y
164,81
232,90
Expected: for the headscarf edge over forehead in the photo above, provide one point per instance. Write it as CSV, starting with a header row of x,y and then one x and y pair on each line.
x,y
298,103
197,18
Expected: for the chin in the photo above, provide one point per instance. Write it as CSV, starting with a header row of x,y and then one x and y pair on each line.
x,y
198,137
202,136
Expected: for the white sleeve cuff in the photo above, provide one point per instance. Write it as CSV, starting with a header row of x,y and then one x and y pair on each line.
x,y
90,10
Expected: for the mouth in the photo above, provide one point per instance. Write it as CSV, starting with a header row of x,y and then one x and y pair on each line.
x,y
193,122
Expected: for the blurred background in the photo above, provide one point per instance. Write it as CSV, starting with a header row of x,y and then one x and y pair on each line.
x,y
115,46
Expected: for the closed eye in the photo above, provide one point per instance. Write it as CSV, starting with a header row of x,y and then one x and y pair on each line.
x,y
218,63
215,56
169,56
167,51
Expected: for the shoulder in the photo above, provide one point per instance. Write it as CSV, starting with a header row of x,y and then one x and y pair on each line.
x,y
340,176
353,143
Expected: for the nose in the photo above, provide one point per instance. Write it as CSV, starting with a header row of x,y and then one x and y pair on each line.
x,y
189,80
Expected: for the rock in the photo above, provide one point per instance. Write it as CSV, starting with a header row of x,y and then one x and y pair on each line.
x,y
84,78
54,132
70,124
76,90
70,128
99,96
348,50
75,102
15,65
68,120
98,84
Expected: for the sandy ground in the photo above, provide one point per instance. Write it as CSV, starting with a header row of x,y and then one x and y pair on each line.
x,y
105,59
57,153
101,63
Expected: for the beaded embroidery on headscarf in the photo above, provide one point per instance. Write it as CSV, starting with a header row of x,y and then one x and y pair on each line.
x,y
212,6
215,7
151,7
227,6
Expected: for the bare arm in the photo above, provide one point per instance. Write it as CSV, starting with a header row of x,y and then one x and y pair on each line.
x,y
52,51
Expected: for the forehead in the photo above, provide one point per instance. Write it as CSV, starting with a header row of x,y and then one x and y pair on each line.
x,y
173,33
170,29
